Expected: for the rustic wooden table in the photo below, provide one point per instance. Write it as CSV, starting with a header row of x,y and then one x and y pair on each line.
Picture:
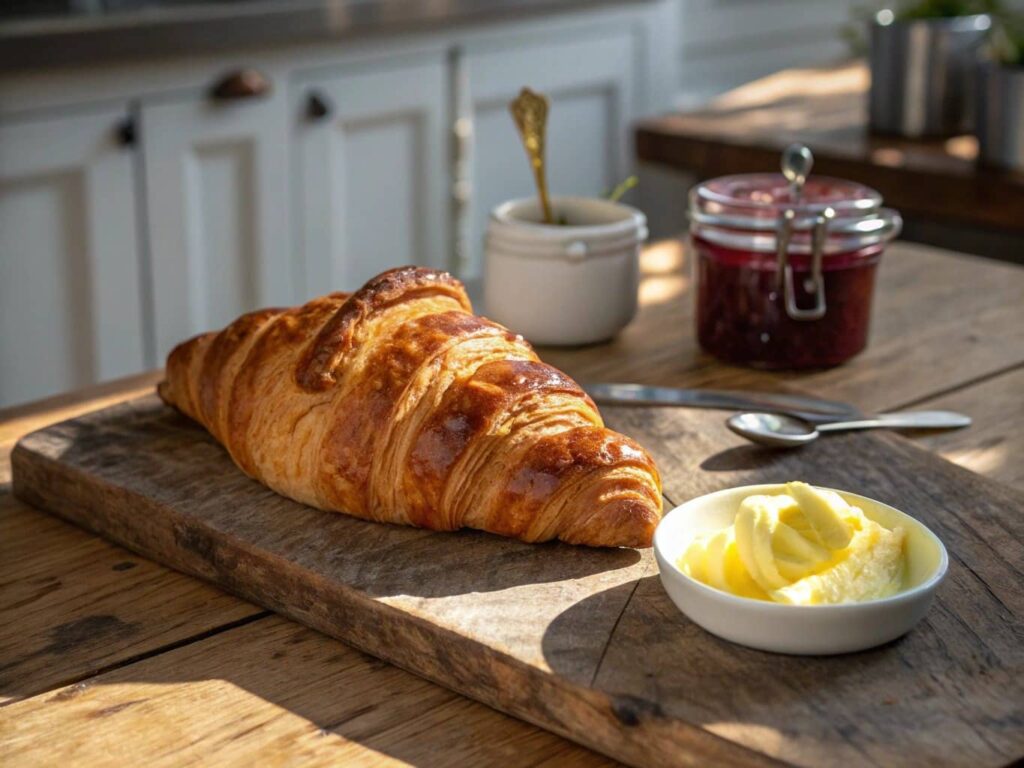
x,y
937,184
80,614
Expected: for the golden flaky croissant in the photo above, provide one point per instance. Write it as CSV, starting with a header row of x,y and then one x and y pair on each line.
x,y
397,404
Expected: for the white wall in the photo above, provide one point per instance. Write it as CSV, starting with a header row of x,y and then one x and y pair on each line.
x,y
725,43
722,44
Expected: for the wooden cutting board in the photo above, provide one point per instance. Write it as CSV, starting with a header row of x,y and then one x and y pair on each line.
x,y
580,641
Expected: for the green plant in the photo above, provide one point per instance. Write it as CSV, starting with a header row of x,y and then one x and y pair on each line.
x,y
616,194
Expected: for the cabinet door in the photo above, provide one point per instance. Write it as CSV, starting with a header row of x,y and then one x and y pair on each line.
x,y
69,276
589,81
372,183
217,209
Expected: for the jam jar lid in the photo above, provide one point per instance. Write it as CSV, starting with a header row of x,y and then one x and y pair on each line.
x,y
751,211
767,195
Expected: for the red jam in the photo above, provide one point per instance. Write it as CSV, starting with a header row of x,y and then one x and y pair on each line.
x,y
742,319
742,313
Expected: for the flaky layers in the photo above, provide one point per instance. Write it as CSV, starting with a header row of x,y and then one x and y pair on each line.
x,y
397,404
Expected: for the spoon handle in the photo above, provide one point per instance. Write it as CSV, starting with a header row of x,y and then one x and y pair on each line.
x,y
530,113
904,420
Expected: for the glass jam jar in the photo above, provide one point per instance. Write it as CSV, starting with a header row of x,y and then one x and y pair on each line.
x,y
785,273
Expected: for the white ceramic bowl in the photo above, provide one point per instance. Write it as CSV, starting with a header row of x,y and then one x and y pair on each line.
x,y
797,629
566,285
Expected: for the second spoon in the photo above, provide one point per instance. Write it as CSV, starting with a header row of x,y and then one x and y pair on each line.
x,y
783,431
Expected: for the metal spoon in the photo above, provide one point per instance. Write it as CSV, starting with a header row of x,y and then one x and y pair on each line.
x,y
797,162
783,431
530,113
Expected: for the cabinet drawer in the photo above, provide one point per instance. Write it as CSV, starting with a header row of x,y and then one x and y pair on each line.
x,y
70,308
372,171
216,176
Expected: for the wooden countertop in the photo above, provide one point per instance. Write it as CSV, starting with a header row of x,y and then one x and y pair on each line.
x,y
80,613
746,129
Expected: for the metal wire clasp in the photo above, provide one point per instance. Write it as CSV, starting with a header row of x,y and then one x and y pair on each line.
x,y
814,284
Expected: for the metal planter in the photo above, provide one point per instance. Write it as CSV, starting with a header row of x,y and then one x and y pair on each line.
x,y
999,115
922,73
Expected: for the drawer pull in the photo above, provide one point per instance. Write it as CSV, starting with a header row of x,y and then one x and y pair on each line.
x,y
127,133
318,106
241,84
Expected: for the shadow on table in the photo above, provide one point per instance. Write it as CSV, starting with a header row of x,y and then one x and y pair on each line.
x,y
743,457
657,664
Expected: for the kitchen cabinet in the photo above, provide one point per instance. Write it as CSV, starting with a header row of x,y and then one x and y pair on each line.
x,y
350,155
371,186
217,205
589,79
70,288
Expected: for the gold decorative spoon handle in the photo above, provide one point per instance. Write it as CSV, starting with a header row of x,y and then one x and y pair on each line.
x,y
530,112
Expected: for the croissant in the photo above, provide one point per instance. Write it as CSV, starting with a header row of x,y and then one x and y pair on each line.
x,y
397,404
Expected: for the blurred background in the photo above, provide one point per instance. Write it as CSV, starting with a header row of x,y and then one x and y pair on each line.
x,y
166,165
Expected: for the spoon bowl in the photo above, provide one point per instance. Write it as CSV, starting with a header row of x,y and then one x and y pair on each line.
x,y
778,430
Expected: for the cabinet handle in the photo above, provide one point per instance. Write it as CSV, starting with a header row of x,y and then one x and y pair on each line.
x,y
318,106
126,132
241,84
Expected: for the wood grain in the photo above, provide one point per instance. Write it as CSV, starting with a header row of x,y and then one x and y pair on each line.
x,y
825,108
20,419
564,653
294,696
994,445
73,604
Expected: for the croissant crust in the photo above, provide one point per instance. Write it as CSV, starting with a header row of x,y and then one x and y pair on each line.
x,y
397,404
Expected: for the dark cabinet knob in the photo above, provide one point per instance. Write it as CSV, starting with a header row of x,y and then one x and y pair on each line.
x,y
241,84
318,106
126,132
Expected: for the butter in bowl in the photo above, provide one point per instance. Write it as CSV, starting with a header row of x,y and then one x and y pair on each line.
x,y
795,569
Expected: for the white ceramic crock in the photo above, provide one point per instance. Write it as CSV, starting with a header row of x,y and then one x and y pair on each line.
x,y
564,284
